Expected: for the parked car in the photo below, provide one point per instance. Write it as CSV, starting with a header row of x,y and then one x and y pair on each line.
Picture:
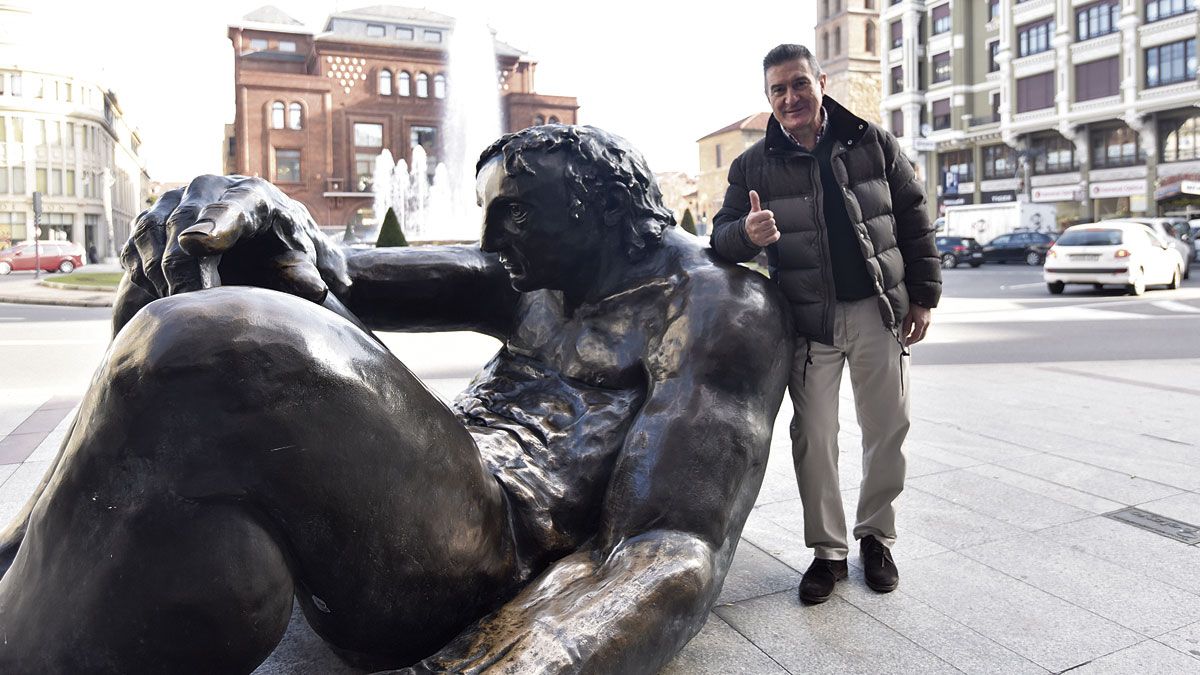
x,y
955,250
1027,247
1195,225
1112,252
1176,232
62,256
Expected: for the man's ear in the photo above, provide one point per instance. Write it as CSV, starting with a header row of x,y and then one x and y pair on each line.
x,y
616,205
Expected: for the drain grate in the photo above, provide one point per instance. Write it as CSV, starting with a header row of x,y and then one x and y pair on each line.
x,y
1167,527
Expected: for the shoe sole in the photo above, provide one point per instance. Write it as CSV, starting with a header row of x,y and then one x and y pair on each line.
x,y
883,588
815,600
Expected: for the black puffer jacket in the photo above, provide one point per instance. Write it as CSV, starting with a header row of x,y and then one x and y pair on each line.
x,y
884,199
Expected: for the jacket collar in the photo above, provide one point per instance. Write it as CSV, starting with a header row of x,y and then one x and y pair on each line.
x,y
844,126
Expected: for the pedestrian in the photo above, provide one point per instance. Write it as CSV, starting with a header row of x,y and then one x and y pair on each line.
x,y
92,254
842,216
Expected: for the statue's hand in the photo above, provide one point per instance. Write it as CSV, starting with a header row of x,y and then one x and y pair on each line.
x,y
232,230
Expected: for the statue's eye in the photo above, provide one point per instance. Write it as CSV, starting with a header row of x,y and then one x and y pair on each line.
x,y
517,213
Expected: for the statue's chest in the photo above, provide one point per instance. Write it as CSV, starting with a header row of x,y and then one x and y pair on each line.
x,y
604,348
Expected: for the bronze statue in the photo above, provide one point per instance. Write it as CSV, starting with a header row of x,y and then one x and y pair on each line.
x,y
576,510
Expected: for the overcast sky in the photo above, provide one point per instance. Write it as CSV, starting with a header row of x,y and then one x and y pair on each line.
x,y
662,74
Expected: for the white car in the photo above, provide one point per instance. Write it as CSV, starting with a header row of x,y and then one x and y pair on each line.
x,y
1112,252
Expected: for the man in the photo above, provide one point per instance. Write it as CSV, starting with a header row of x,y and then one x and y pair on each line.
x,y
576,510
842,217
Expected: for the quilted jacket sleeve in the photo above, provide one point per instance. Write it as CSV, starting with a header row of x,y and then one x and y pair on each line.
x,y
729,239
914,231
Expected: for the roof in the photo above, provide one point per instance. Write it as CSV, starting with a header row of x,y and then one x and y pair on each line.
x,y
393,13
755,122
270,14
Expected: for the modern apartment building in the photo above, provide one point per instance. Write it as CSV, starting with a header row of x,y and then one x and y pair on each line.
x,y
66,137
315,108
848,48
1091,105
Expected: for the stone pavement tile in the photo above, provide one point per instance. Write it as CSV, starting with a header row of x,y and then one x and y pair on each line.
x,y
755,573
302,652
1114,592
13,412
21,483
1006,503
1143,463
41,421
1116,486
1186,640
1185,507
936,453
1147,657
719,649
968,442
16,448
48,448
1049,631
777,541
1060,493
779,482
834,637
909,544
948,639
1139,551
945,523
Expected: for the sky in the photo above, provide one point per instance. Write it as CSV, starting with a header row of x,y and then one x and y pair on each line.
x,y
661,74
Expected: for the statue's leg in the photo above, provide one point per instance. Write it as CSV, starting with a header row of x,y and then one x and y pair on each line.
x,y
238,445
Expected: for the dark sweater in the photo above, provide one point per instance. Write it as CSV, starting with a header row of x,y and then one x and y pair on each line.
x,y
850,279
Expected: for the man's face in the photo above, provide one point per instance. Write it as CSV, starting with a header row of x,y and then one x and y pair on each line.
x,y
528,222
795,94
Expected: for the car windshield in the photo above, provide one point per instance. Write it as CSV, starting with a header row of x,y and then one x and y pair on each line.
x,y
1090,237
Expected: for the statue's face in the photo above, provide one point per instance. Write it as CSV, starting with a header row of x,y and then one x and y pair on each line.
x,y
528,222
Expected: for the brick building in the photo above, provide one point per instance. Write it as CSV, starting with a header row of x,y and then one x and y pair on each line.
x,y
314,110
717,150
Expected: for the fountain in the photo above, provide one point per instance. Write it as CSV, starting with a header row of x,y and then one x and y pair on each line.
x,y
444,208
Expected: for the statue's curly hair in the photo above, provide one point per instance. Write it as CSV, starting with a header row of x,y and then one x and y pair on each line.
x,y
601,168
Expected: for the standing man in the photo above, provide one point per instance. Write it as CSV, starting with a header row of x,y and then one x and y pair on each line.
x,y
842,216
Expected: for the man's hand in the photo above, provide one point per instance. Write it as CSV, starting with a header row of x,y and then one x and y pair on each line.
x,y
915,324
246,227
760,224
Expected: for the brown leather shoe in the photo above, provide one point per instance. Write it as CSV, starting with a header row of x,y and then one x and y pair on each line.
x,y
818,581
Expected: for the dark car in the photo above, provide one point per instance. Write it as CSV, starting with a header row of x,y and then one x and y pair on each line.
x,y
955,250
1196,238
1027,247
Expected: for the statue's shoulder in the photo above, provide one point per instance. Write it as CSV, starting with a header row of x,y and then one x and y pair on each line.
x,y
735,295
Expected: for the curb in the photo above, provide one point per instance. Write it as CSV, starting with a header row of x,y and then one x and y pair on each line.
x,y
76,287
62,302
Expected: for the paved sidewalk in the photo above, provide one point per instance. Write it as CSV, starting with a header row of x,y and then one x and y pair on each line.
x,y
1018,548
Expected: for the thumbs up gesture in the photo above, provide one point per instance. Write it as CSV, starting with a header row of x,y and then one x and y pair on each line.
x,y
760,224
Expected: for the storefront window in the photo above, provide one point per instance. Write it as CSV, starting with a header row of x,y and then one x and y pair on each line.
x,y
999,161
1179,139
1117,146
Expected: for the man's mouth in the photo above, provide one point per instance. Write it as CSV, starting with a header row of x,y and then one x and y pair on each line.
x,y
512,265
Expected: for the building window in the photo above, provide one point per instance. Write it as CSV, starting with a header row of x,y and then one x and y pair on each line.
x,y
999,161
941,67
1052,153
1117,146
368,135
375,30
993,10
1097,19
941,114
426,137
1035,92
18,180
385,82
1164,9
40,181
56,186
1179,138
295,116
403,33
993,50
287,166
955,169
69,177
941,19
869,4
277,115
439,86
538,120
553,120
869,38
897,79
364,170
287,46
404,84
16,85
258,44
897,28
1034,38
825,45
1171,63
422,85
837,41
1097,79
433,36
719,158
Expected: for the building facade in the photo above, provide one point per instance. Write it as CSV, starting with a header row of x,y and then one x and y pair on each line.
x,y
67,138
314,110
717,150
1090,105
848,48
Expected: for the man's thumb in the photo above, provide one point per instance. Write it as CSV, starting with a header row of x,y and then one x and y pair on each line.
x,y
755,205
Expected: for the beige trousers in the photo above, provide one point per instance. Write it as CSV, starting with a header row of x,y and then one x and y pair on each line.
x,y
879,379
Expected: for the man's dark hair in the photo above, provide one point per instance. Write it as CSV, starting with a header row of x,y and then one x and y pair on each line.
x,y
601,167
786,52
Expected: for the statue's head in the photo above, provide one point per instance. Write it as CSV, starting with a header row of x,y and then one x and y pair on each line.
x,y
554,196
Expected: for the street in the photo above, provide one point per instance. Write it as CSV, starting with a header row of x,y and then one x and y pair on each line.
x,y
1039,423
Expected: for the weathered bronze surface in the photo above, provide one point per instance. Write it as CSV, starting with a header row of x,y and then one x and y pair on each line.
x,y
576,509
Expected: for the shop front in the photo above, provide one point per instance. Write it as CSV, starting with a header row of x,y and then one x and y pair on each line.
x,y
1067,200
1118,198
